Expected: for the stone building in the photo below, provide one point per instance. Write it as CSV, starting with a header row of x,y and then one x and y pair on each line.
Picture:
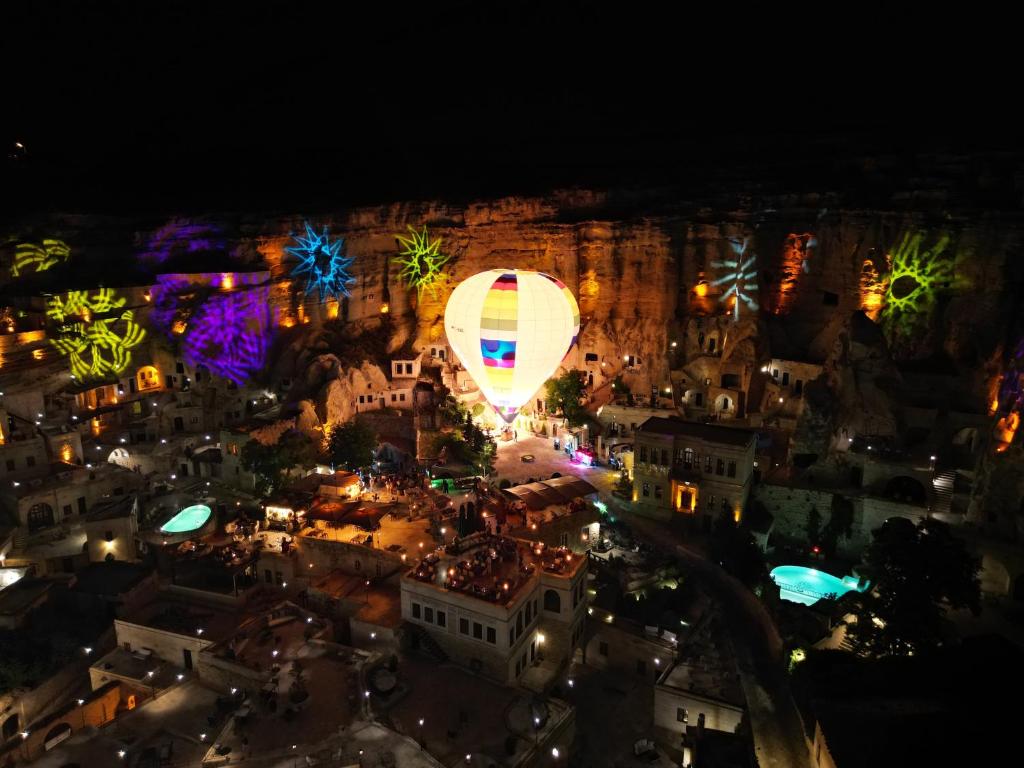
x,y
682,467
498,605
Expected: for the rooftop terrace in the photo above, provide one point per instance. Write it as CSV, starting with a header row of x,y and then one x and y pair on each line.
x,y
493,568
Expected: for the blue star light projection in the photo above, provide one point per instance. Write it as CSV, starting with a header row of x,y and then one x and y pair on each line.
x,y
323,264
742,274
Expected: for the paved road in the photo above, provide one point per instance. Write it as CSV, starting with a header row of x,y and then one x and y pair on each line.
x,y
778,731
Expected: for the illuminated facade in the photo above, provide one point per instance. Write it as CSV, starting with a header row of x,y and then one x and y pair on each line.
x,y
682,467
33,257
741,277
177,238
421,261
322,263
511,329
93,332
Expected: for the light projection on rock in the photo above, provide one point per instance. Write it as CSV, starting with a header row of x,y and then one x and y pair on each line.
x,y
228,334
39,257
421,261
93,331
180,237
797,252
511,328
322,263
915,277
741,277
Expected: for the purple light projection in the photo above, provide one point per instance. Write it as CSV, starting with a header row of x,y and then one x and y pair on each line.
x,y
179,237
229,333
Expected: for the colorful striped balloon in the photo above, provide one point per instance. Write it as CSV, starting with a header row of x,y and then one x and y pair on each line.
x,y
511,328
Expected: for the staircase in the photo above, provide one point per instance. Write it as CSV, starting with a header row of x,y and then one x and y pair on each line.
x,y
942,492
426,643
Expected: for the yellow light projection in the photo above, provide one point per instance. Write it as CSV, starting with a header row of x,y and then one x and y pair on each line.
x,y
92,333
874,284
33,257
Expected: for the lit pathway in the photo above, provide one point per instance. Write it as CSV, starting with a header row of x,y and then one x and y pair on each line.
x,y
778,731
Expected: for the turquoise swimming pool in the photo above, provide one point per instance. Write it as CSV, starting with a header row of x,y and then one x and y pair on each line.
x,y
806,585
187,520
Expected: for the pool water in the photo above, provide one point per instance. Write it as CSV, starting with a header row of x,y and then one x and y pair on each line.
x,y
187,520
807,586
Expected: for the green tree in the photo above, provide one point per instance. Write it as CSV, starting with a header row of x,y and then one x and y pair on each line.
x,y
351,444
734,548
452,412
271,464
917,573
565,394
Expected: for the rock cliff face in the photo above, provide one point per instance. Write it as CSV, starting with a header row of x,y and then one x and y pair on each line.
x,y
647,272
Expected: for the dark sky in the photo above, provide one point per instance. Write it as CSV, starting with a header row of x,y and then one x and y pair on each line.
x,y
172,105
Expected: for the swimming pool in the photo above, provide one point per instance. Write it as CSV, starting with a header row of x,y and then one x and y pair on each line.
x,y
806,585
187,520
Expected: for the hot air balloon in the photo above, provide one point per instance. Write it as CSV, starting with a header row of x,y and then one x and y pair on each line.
x,y
511,328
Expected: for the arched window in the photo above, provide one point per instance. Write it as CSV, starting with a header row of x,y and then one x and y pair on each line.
x,y
552,602
40,516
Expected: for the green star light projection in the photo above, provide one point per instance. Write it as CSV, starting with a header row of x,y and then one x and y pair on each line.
x,y
916,276
421,261
92,333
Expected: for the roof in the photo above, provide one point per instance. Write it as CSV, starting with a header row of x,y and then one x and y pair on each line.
x,y
712,433
340,479
557,490
110,509
22,595
115,578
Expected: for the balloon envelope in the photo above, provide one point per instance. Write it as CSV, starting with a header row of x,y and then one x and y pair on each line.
x,y
511,328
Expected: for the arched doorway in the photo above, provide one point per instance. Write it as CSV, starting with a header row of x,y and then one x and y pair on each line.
x,y
552,602
56,735
723,404
40,516
11,726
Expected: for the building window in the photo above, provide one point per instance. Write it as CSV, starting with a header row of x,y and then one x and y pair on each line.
x,y
664,457
681,715
492,636
785,378
401,397
732,469
394,398
442,620
464,626
179,367
268,576
408,367
529,609
415,610
646,489
688,458
511,637
719,467
602,648
478,630
657,491
519,622
643,453
428,614
711,502
30,461
707,463
775,373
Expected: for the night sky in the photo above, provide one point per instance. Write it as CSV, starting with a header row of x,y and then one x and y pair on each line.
x,y
187,106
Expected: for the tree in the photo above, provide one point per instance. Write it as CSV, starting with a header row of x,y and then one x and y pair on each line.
x,y
351,444
271,463
452,412
917,573
735,549
565,393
